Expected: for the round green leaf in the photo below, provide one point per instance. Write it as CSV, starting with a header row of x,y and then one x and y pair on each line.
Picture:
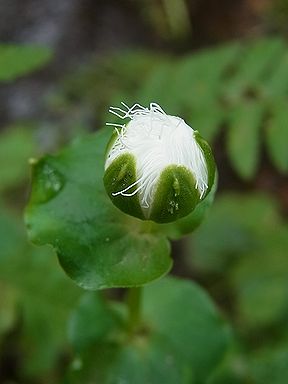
x,y
181,338
183,312
138,362
97,245
92,321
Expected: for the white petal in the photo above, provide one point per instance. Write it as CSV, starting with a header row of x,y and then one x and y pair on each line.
x,y
156,140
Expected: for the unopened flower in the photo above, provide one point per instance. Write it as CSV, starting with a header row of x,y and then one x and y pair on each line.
x,y
157,167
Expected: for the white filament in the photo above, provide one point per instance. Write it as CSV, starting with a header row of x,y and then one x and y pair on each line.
x,y
156,140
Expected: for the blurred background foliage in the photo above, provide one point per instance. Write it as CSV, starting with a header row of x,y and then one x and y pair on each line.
x,y
221,66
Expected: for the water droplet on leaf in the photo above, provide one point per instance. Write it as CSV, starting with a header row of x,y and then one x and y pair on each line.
x,y
48,183
77,364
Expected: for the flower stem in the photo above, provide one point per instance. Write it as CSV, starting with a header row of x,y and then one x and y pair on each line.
x,y
133,300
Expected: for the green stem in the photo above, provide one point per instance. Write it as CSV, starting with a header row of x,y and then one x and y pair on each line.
x,y
133,300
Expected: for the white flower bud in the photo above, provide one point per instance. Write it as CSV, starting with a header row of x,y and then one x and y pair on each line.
x,y
157,167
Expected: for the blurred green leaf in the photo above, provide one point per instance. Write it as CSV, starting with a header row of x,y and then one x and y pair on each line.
x,y
11,235
243,138
19,60
199,77
107,81
277,134
174,312
207,120
260,281
187,313
232,370
41,305
219,240
8,309
258,58
232,83
156,88
276,82
17,144
136,362
245,241
228,233
94,320
270,366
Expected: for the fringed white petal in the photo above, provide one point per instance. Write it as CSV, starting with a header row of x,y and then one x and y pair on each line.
x,y
156,140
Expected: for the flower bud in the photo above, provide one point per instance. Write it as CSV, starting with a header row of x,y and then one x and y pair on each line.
x,y
157,167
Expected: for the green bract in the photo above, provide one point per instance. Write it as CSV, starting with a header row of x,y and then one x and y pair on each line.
x,y
157,167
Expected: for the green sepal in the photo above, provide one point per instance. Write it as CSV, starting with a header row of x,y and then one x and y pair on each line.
x,y
184,226
111,142
119,175
210,161
176,195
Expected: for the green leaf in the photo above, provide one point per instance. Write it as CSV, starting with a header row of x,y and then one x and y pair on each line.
x,y
190,87
97,245
276,83
11,236
243,138
93,321
258,58
270,366
198,77
221,238
16,146
45,307
116,78
8,309
229,371
137,362
277,134
156,88
19,60
181,338
260,281
207,120
228,234
40,312
182,311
